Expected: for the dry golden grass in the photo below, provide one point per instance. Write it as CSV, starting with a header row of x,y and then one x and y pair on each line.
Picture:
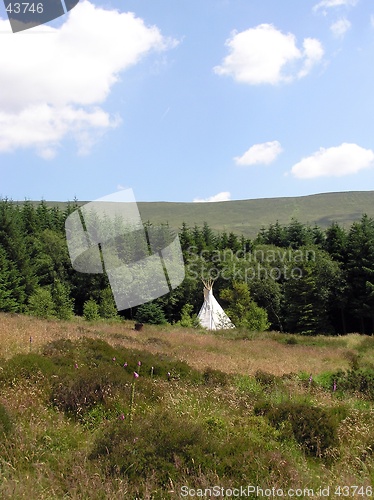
x,y
200,350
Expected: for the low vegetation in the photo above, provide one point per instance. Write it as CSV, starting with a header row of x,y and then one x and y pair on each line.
x,y
97,410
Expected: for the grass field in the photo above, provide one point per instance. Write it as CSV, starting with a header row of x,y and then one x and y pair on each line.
x,y
239,352
230,409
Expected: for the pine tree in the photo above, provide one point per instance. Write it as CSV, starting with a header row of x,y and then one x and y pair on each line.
x,y
107,307
9,284
360,272
63,304
91,310
242,309
41,304
308,294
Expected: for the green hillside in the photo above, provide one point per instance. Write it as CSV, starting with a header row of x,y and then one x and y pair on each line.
x,y
248,216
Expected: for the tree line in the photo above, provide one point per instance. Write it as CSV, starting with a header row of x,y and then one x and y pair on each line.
x,y
295,278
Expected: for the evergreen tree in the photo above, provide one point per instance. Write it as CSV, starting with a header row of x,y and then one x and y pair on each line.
x,y
13,241
276,235
185,238
336,242
297,234
150,313
223,241
198,238
308,293
188,319
209,237
360,272
233,242
41,304
9,284
63,304
242,310
91,310
107,306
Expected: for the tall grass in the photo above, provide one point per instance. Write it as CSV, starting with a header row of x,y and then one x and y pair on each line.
x,y
65,407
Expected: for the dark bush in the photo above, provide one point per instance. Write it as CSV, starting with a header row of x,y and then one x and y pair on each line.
x,y
167,447
313,427
215,377
267,380
75,395
361,381
262,407
58,347
290,341
160,444
27,366
150,313
5,421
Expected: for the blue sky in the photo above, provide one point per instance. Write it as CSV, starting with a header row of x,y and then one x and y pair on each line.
x,y
189,100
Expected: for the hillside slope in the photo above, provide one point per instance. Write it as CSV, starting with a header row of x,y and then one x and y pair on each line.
x,y
248,216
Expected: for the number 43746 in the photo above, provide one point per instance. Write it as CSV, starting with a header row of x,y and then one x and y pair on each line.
x,y
25,7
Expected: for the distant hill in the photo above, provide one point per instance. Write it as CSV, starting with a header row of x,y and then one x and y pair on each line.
x,y
248,216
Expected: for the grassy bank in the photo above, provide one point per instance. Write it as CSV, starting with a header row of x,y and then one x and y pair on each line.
x,y
228,410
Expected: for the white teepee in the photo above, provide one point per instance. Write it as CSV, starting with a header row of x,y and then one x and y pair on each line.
x,y
211,315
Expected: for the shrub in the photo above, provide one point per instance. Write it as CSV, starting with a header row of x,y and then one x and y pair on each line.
x,y
107,307
188,320
361,381
160,444
313,427
94,351
290,341
75,395
150,313
41,304
215,377
26,366
63,304
262,407
5,422
267,380
91,310
166,448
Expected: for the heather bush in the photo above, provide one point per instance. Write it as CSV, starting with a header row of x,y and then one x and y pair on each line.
x,y
359,381
26,366
5,421
215,377
77,394
167,448
313,427
267,380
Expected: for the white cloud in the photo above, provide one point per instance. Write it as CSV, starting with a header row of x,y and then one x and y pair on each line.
x,y
340,27
264,154
313,53
224,196
53,82
326,4
265,55
337,161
